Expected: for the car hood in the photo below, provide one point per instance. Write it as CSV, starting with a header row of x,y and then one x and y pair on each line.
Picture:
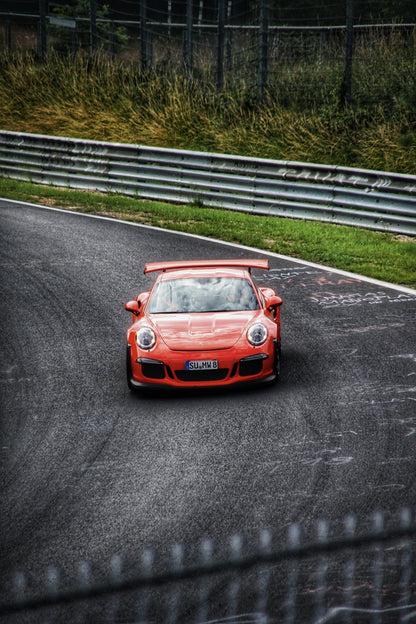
x,y
205,331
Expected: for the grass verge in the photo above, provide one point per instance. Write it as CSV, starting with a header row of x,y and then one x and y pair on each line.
x,y
300,118
383,256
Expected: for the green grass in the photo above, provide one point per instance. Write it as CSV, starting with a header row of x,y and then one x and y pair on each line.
x,y
378,255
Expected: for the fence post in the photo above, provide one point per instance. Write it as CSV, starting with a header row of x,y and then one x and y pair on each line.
x,y
220,45
42,30
200,13
188,48
93,27
8,34
74,40
143,36
263,48
349,48
169,18
111,46
228,36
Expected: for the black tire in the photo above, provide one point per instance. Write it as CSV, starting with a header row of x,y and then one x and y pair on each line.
x,y
128,369
277,358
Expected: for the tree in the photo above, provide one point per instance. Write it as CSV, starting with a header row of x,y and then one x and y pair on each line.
x,y
79,12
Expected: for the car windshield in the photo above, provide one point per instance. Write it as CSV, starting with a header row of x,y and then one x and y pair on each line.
x,y
204,294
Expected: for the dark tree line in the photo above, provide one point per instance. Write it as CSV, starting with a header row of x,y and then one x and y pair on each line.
x,y
282,12
319,12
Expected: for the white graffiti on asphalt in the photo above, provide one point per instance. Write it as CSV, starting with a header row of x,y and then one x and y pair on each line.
x,y
334,300
310,278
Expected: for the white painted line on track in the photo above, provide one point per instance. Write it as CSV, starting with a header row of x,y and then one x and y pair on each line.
x,y
362,278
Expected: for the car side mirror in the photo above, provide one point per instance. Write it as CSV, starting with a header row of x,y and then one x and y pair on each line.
x,y
136,307
133,307
273,303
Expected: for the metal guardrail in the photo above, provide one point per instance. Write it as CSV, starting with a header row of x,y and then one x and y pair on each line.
x,y
364,574
340,195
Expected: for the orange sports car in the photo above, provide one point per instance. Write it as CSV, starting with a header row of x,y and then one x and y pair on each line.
x,y
204,323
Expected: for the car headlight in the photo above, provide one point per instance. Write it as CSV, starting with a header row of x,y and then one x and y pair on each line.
x,y
145,338
257,334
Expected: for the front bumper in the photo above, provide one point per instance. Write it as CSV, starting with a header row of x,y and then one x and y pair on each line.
x,y
241,367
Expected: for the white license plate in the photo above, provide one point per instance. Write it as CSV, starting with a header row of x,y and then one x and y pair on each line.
x,y
201,365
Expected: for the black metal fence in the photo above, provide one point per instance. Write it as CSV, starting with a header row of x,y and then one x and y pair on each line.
x,y
228,42
361,572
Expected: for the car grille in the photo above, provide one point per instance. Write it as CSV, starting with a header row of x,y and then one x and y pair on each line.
x,y
152,368
250,368
202,375
252,365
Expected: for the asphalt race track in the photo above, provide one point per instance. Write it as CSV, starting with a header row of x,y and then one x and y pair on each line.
x,y
89,469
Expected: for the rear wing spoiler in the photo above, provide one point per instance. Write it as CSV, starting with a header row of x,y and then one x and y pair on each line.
x,y
192,264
